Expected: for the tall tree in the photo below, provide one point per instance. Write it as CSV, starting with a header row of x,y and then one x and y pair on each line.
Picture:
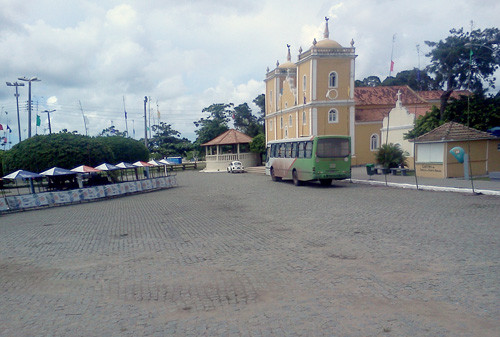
x,y
464,60
215,124
418,80
370,81
245,121
167,142
477,111
260,101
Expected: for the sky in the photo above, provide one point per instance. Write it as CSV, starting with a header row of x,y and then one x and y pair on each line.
x,y
96,59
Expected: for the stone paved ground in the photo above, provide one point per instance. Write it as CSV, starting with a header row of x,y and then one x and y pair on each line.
x,y
238,255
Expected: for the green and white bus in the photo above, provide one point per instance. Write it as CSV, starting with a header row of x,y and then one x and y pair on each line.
x,y
322,158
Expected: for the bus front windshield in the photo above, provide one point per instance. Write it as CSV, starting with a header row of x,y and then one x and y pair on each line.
x,y
332,148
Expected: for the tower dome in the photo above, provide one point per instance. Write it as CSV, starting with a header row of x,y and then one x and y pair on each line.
x,y
326,42
288,64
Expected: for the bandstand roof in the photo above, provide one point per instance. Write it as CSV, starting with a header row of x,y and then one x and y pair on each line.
x,y
231,136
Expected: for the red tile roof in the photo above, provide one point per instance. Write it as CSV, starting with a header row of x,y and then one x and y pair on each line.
x,y
229,137
435,95
383,95
452,131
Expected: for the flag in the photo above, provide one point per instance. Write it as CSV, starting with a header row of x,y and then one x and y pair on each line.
x,y
392,65
5,140
1,127
8,128
38,121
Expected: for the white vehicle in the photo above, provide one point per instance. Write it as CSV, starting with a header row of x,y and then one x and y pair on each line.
x,y
235,166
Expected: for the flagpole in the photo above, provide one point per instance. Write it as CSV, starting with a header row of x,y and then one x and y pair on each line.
x,y
125,112
392,54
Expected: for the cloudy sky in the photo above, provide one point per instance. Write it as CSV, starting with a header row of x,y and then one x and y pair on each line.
x,y
186,55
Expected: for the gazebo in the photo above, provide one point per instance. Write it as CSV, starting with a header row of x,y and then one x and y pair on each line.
x,y
227,147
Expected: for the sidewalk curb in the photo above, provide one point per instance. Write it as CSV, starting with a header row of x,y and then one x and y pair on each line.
x,y
426,187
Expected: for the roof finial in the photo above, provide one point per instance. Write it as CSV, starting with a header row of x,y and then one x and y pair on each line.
x,y
288,56
326,34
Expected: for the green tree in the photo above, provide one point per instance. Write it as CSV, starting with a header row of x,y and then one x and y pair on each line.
x,y
464,60
213,125
68,150
418,80
425,123
167,142
260,101
245,121
112,131
477,111
370,81
124,149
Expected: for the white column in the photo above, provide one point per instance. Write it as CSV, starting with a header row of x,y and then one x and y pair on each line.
x,y
314,68
314,118
352,131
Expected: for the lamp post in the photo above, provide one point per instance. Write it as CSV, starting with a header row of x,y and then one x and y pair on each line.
x,y
15,84
48,115
29,80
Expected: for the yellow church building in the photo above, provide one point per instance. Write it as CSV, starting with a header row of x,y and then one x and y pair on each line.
x,y
313,96
316,96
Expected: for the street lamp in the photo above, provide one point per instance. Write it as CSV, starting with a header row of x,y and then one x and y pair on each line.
x,y
48,115
15,84
29,80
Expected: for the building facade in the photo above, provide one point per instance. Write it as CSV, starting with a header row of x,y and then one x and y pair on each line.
x,y
316,96
313,96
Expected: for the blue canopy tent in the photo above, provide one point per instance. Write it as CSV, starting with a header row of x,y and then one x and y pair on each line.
x,y
24,175
60,178
127,166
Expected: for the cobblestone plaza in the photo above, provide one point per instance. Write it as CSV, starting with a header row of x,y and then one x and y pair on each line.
x,y
238,255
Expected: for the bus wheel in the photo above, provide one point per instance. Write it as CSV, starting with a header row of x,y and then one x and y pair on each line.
x,y
325,182
273,176
295,177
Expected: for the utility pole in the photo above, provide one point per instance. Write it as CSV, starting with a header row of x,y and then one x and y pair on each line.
x,y
145,123
15,84
84,118
149,116
29,80
48,115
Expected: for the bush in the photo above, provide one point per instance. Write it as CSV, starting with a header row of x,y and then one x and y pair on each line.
x,y
67,150
390,155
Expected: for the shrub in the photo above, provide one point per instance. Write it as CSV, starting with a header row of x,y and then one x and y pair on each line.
x,y
390,155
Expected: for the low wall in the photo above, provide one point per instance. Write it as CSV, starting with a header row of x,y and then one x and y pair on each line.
x,y
47,199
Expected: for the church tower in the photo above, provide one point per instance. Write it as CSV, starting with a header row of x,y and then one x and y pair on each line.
x,y
315,95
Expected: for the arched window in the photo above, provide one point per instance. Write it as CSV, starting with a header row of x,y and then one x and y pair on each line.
x,y
332,80
290,120
304,83
303,118
281,122
333,116
271,125
374,142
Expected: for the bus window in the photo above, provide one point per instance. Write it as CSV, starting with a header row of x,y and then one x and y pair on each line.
x,y
332,147
288,150
294,150
309,148
302,149
282,150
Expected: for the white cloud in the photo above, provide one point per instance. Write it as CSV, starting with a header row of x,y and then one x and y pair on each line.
x,y
188,55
